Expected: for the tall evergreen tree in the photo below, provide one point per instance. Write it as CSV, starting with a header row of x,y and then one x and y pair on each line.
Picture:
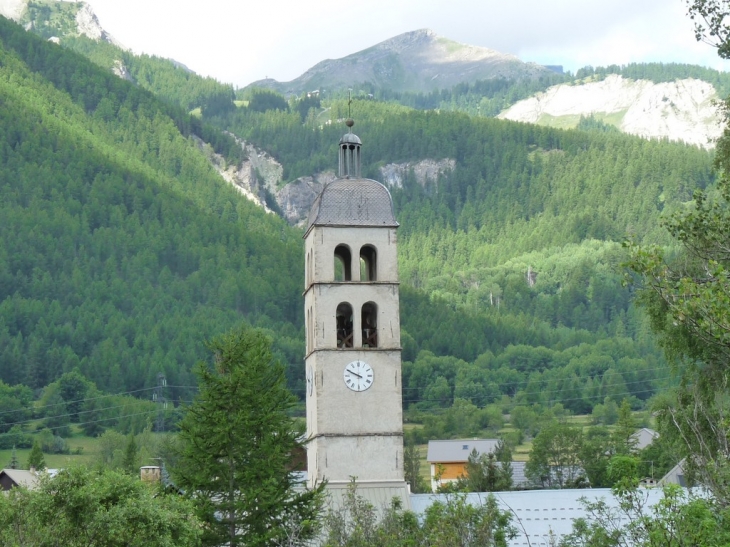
x,y
131,453
237,447
35,458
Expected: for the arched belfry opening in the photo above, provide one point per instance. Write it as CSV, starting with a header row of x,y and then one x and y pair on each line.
x,y
350,153
343,263
353,362
344,326
369,325
368,263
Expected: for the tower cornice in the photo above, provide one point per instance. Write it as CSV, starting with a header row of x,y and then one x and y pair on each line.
x,y
351,283
345,351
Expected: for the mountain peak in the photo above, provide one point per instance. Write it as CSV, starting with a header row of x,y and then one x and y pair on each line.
x,y
415,61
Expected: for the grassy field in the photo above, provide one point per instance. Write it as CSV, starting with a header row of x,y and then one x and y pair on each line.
x,y
87,446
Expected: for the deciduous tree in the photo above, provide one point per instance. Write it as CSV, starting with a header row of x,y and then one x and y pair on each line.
x,y
555,456
105,508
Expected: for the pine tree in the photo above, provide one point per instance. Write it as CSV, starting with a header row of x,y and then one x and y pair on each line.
x,y
237,443
14,464
129,462
35,458
623,435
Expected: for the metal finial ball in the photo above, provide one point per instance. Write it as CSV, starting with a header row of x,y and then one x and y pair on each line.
x,y
349,122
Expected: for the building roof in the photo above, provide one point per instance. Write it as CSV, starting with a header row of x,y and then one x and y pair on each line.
x,y
458,450
540,516
21,477
353,202
643,437
674,476
519,476
350,138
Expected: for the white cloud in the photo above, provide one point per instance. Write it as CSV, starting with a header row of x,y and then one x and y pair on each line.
x,y
240,42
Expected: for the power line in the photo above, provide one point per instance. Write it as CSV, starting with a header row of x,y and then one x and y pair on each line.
x,y
39,407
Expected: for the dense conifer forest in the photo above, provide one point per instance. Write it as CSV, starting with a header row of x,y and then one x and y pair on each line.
x,y
123,250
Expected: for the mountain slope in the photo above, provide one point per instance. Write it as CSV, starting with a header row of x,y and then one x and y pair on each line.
x,y
121,248
417,61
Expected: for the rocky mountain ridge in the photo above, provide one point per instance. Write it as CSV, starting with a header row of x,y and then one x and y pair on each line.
x,y
417,61
260,174
682,110
63,18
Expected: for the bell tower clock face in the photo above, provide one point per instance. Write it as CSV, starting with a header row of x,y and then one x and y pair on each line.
x,y
358,375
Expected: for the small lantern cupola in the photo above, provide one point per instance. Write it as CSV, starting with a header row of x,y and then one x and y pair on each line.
x,y
350,153
353,345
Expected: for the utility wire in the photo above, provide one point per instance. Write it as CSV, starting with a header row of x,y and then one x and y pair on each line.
x,y
39,407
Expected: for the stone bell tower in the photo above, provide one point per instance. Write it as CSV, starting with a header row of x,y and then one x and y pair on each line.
x,y
353,356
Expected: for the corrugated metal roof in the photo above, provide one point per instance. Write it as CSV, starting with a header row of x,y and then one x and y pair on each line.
x,y
538,514
458,450
353,202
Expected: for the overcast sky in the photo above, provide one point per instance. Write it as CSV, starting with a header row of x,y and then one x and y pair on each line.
x,y
240,41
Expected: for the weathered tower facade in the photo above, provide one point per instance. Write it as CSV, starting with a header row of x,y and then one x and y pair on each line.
x,y
353,356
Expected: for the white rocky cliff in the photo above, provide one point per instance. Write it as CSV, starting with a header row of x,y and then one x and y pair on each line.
x,y
13,9
683,110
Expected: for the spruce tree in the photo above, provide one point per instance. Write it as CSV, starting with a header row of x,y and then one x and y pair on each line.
x,y
237,444
129,462
35,458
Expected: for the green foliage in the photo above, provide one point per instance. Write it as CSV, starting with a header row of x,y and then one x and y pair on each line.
x,y
679,519
236,447
555,460
111,449
14,408
14,463
261,100
520,199
134,250
48,18
120,246
35,458
623,434
591,123
456,522
445,524
480,98
130,463
595,455
659,73
168,80
685,292
79,507
412,466
52,443
491,472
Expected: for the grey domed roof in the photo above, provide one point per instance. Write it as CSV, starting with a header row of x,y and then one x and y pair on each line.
x,y
353,202
350,138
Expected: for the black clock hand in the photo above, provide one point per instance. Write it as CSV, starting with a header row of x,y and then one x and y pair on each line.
x,y
355,373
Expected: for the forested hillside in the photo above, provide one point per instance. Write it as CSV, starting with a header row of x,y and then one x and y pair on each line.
x,y
124,250
121,249
168,81
518,248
